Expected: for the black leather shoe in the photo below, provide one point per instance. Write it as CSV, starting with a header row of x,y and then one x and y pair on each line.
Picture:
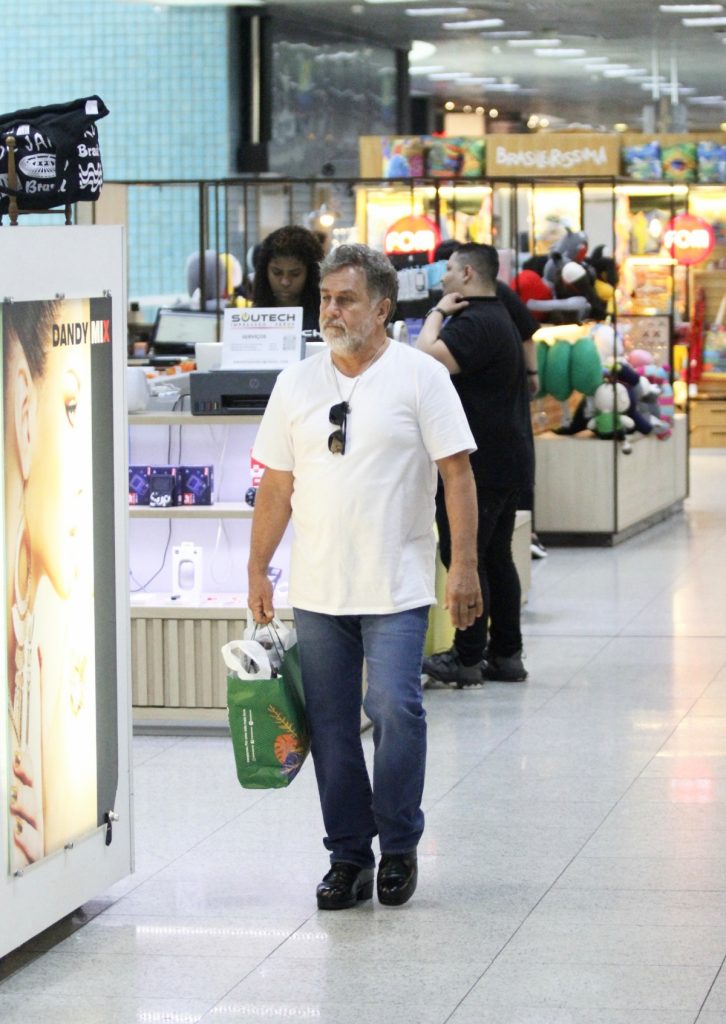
x,y
397,877
344,885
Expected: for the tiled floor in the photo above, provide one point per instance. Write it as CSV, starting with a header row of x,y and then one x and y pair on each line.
x,y
573,869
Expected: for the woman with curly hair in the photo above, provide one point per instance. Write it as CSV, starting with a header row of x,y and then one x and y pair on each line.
x,y
287,272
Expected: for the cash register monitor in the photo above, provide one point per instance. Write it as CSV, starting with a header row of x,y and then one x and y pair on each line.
x,y
177,331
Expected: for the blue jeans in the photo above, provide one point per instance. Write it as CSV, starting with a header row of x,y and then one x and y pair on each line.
x,y
332,649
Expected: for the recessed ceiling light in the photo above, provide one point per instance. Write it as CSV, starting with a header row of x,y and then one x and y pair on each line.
x,y
494,112
707,101
479,80
722,126
419,12
480,23
450,76
534,42
424,69
449,105
703,22
621,126
504,87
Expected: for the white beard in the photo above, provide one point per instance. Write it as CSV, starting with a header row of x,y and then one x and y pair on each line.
x,y
341,341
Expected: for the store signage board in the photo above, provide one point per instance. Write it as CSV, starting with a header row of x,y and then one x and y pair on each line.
x,y
556,156
410,235
688,239
65,735
262,338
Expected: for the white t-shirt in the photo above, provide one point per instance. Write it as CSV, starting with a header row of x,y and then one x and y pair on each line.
x,y
363,521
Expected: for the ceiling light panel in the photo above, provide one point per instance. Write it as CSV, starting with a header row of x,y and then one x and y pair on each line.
x,y
553,51
703,22
473,25
420,12
507,33
534,42
690,8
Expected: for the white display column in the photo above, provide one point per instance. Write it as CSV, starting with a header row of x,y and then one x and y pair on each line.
x,y
65,787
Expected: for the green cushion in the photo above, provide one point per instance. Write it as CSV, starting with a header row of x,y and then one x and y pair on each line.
x,y
557,380
585,366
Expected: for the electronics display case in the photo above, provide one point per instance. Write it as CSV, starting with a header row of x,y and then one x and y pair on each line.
x,y
177,629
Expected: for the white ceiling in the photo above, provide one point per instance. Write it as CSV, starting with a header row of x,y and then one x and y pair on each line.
x,y
627,32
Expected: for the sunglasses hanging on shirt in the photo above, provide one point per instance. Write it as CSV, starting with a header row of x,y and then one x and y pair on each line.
x,y
338,416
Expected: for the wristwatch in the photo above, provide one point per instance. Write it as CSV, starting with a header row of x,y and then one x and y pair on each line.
x,y
435,309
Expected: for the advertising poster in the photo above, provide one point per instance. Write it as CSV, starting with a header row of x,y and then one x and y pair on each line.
x,y
58,512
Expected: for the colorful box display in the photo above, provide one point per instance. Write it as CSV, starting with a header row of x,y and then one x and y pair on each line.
x,y
679,162
195,484
643,162
711,157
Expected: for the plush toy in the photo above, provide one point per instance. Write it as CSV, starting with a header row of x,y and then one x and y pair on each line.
x,y
610,419
659,378
572,246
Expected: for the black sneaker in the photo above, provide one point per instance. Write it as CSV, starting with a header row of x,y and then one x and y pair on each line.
x,y
505,668
446,667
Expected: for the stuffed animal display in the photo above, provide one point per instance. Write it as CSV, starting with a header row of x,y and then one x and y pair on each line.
x,y
621,394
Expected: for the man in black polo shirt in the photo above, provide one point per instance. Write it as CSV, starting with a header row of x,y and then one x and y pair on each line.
x,y
482,349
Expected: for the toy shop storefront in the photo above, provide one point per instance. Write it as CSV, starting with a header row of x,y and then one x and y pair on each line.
x,y
618,244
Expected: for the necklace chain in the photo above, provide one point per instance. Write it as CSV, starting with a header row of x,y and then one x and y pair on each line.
x,y
367,367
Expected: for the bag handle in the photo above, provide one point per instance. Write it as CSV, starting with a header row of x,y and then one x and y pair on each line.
x,y
248,659
274,636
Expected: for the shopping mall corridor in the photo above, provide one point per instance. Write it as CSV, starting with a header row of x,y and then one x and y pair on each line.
x,y
573,868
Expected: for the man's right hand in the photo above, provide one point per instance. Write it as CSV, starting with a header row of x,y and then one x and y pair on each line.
x,y
451,302
259,597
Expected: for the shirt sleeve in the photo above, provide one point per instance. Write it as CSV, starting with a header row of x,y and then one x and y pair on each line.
x,y
463,336
443,423
273,444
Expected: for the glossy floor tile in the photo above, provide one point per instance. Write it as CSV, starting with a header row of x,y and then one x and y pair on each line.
x,y
573,867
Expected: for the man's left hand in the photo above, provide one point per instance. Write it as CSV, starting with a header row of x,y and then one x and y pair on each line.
x,y
463,596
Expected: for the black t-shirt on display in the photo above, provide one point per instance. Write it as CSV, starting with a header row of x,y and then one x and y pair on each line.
x,y
492,386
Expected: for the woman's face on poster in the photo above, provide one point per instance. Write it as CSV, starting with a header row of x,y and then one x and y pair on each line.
x,y
58,489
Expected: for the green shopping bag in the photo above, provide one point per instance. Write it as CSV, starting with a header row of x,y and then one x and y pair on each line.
x,y
266,715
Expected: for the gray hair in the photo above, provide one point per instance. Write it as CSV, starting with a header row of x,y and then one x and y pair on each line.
x,y
381,276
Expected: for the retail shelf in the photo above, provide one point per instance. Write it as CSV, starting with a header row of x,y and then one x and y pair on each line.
x,y
183,419
164,608
220,510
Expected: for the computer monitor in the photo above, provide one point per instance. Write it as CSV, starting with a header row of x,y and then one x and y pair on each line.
x,y
177,331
